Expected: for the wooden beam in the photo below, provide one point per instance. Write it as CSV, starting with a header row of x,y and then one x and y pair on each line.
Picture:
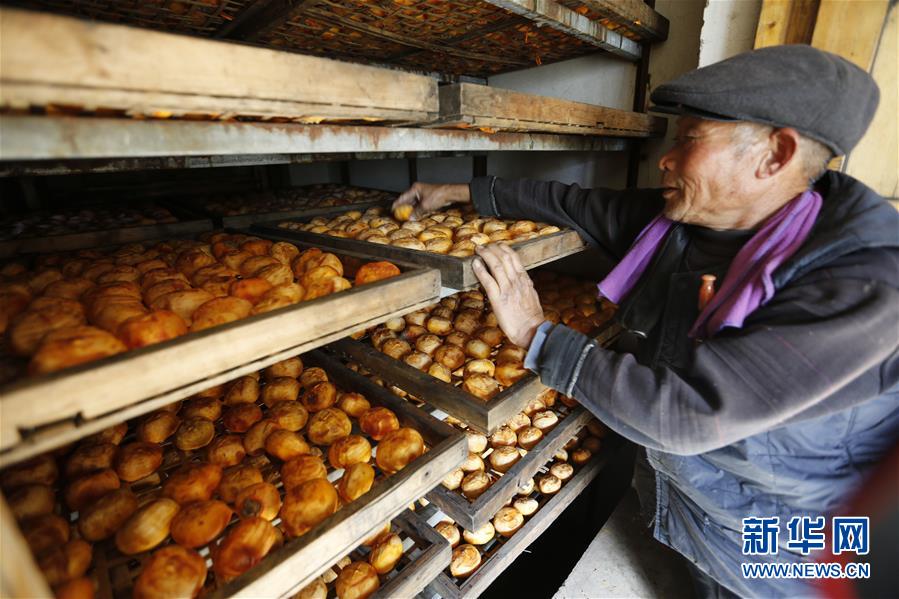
x,y
261,18
786,22
875,160
327,16
850,29
552,14
634,15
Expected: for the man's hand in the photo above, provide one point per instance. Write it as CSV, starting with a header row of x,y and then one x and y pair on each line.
x,y
511,292
427,197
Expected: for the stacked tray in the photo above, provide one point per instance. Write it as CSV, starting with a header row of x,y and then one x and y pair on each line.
x,y
291,563
469,310
80,395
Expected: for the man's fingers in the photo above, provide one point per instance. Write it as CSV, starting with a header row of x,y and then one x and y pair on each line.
x,y
410,196
512,257
489,283
494,262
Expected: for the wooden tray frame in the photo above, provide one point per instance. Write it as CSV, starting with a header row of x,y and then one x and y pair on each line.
x,y
77,397
468,105
475,514
499,559
300,560
482,416
456,273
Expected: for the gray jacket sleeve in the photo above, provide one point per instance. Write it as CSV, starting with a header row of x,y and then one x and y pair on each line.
x,y
824,343
610,219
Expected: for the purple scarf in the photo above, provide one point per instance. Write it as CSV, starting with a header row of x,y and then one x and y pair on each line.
x,y
747,284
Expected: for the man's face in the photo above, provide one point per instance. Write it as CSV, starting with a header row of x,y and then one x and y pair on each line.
x,y
708,175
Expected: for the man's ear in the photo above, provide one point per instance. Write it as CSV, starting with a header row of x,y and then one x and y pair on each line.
x,y
783,148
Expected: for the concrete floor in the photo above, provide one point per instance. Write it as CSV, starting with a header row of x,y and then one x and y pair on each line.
x,y
625,561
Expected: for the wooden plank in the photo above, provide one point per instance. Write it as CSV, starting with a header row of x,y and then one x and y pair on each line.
x,y
48,59
426,567
300,560
88,239
554,15
496,563
475,514
43,138
474,105
786,22
19,574
634,15
875,160
850,29
202,359
456,273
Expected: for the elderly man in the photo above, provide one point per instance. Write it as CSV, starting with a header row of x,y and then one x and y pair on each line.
x,y
774,397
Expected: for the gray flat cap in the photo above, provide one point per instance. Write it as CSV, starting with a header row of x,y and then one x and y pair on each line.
x,y
819,94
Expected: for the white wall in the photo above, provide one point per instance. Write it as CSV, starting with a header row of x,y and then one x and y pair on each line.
x,y
594,79
702,32
675,56
728,29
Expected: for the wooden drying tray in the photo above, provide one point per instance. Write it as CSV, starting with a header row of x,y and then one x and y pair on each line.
x,y
300,560
50,60
483,416
91,239
241,221
456,273
91,396
475,514
468,105
501,552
